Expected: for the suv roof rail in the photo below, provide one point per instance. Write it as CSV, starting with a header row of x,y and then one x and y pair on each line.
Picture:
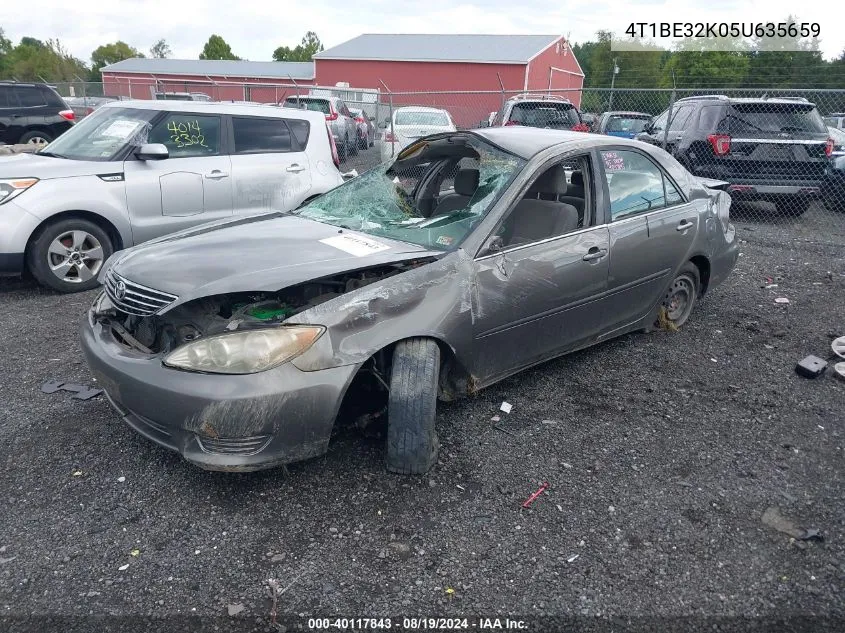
x,y
523,96
694,97
804,99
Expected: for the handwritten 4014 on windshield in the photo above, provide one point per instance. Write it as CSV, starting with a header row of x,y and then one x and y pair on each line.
x,y
186,133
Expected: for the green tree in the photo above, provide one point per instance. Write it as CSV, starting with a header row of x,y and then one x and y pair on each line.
x,y
302,52
217,48
34,60
110,54
6,48
160,49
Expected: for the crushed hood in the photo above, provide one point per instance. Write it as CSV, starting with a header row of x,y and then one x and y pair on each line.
x,y
261,253
46,167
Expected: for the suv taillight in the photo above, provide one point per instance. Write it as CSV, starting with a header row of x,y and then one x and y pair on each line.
x,y
581,127
721,143
331,117
67,114
828,148
389,137
512,123
335,155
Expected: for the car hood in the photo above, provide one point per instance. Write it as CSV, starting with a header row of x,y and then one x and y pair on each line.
x,y
46,167
258,253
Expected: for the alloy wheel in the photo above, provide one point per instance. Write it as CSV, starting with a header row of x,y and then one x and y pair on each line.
x,y
75,256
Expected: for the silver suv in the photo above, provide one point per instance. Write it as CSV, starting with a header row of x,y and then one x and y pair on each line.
x,y
135,170
340,120
540,110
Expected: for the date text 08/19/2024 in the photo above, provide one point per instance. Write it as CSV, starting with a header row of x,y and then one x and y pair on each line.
x,y
417,624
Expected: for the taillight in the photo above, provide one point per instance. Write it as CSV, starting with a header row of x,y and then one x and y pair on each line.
x,y
512,123
581,127
721,143
360,119
389,137
828,148
331,117
335,155
67,114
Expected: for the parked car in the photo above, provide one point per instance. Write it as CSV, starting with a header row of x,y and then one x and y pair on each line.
x,y
32,113
410,123
775,150
399,279
833,185
366,129
590,120
540,110
133,171
835,120
83,106
183,96
622,124
342,124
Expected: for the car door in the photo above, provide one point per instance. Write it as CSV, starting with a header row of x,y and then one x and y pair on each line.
x,y
651,231
270,169
535,300
8,105
193,185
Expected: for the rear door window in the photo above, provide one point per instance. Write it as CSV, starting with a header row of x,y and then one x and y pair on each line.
x,y
259,136
30,97
8,99
680,118
636,184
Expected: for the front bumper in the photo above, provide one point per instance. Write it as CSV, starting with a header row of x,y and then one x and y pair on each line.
x,y
16,227
219,422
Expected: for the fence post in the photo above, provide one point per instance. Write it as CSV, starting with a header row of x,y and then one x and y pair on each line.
x,y
502,86
390,107
668,118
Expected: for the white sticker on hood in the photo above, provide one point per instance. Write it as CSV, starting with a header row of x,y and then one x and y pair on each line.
x,y
355,244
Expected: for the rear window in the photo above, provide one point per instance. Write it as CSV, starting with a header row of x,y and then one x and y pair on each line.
x,y
421,118
626,123
30,97
315,105
258,136
747,118
542,114
300,129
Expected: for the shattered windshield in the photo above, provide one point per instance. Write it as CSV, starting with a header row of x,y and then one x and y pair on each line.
x,y
433,195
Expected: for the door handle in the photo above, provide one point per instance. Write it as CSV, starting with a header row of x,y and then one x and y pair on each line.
x,y
216,175
683,226
595,254
295,168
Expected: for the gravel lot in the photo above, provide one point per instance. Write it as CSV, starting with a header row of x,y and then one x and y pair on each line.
x,y
662,452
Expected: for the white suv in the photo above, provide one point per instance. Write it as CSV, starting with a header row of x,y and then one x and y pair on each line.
x,y
136,170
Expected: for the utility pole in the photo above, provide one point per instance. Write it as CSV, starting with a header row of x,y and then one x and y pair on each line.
x,y
612,83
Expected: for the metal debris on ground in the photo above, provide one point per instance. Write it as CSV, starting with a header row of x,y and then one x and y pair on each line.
x,y
811,367
527,503
235,609
838,346
506,407
782,300
503,430
573,558
839,368
774,519
80,392
495,418
123,567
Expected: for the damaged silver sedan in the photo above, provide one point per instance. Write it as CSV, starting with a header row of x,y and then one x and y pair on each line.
x,y
472,256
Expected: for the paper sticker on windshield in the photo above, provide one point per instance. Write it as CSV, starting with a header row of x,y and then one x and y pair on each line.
x,y
355,244
122,129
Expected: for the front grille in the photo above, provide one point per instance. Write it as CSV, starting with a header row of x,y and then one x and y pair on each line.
x,y
233,445
137,299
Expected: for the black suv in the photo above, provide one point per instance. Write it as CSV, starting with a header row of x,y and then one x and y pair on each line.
x,y
31,113
775,149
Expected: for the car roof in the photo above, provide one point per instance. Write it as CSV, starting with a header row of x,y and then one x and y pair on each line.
x,y
626,113
418,109
220,107
529,141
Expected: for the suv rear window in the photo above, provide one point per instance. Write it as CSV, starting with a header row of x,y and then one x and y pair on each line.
x,y
747,118
622,123
315,105
30,97
545,114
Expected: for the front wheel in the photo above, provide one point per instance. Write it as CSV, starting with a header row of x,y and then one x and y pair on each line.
x,y
67,255
680,297
412,443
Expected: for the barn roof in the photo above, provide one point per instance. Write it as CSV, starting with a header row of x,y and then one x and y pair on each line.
x,y
490,49
214,67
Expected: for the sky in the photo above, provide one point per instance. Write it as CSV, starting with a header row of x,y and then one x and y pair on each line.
x,y
254,28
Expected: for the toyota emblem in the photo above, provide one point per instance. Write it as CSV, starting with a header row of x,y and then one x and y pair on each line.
x,y
120,291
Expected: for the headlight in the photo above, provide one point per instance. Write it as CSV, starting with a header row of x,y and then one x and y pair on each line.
x,y
244,352
11,187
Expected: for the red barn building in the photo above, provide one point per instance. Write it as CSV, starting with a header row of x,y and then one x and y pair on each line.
x,y
452,63
222,80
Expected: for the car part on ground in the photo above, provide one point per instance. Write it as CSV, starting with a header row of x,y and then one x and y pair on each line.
x,y
427,277
80,392
811,366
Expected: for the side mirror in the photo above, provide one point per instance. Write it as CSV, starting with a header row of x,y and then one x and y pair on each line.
x,y
152,151
493,245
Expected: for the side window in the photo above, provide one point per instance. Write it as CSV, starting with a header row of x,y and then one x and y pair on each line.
x,y
300,129
680,118
258,136
188,134
634,182
497,120
709,117
8,99
659,123
30,97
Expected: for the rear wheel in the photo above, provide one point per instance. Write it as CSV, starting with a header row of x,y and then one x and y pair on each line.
x,y
67,255
680,297
36,137
412,443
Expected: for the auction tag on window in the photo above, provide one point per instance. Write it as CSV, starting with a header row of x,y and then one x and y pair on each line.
x,y
357,245
122,128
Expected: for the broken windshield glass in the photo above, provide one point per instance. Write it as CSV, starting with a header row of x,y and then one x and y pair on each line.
x,y
434,197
